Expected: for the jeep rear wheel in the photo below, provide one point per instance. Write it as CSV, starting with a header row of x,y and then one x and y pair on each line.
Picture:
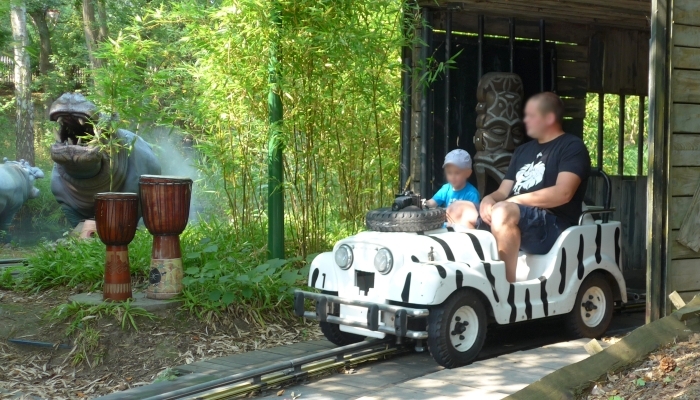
x,y
593,308
457,329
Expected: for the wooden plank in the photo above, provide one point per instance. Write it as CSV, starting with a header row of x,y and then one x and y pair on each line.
x,y
643,49
684,275
573,126
572,69
684,180
686,86
686,12
571,84
679,207
688,36
596,61
686,118
688,296
574,108
570,52
676,299
689,234
686,57
620,65
678,251
685,150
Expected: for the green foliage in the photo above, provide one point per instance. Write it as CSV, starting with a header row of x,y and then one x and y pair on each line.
x,y
205,70
78,314
82,319
77,263
611,125
220,271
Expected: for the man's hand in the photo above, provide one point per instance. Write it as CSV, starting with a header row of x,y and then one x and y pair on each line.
x,y
485,209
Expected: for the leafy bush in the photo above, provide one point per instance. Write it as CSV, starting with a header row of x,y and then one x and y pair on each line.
x,y
220,271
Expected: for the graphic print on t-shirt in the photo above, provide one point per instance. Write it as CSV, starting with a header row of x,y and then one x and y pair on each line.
x,y
528,176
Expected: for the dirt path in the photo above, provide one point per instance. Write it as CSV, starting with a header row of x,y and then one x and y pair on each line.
x,y
104,358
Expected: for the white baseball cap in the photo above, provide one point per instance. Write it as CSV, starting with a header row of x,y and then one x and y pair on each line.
x,y
459,158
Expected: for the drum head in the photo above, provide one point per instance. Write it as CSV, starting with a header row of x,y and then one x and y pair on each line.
x,y
117,195
164,179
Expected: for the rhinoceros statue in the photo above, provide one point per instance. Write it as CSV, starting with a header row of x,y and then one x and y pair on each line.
x,y
83,167
16,187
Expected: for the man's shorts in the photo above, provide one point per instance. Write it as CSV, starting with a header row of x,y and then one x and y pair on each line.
x,y
539,229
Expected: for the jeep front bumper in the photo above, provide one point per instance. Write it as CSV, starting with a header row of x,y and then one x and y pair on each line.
x,y
399,315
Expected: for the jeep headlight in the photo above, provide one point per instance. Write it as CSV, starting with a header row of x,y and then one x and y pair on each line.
x,y
343,256
383,261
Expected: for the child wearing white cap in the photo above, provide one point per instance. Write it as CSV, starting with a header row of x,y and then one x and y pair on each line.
x,y
458,169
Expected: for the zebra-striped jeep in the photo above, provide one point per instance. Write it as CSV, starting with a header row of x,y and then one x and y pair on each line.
x,y
445,285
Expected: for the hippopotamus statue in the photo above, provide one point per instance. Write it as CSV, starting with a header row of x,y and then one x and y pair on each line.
x,y
83,167
16,187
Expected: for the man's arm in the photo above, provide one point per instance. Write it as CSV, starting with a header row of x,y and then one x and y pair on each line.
x,y
561,193
488,201
502,192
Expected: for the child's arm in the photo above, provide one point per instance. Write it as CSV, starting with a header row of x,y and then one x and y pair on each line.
x,y
439,199
431,204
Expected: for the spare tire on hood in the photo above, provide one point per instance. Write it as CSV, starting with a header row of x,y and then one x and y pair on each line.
x,y
409,219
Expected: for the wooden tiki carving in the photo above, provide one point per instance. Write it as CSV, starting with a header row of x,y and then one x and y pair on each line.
x,y
499,125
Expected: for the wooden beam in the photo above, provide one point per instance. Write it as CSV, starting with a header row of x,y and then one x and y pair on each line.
x,y
580,14
528,28
574,108
658,193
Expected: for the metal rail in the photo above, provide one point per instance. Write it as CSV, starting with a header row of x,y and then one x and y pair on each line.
x,y
13,261
296,368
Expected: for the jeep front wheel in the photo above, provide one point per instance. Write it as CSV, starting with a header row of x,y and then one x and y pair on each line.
x,y
457,329
592,311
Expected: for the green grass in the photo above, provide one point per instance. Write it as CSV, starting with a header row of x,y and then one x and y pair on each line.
x,y
221,272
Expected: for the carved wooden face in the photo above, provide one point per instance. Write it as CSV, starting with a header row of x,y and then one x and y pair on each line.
x,y
499,112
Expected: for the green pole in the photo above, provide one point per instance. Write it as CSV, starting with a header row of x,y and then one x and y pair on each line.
x,y
275,203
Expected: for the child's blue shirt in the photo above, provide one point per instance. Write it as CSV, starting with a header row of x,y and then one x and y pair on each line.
x,y
447,195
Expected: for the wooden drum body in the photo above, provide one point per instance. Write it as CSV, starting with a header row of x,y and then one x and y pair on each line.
x,y
165,204
116,217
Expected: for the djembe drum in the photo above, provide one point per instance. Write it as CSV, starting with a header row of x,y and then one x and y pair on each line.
x,y
116,217
165,203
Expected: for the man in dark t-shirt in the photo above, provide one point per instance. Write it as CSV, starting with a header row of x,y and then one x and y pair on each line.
x,y
543,189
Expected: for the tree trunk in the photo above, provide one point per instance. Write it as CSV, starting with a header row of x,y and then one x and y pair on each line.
x,y
45,51
23,80
91,33
38,16
102,19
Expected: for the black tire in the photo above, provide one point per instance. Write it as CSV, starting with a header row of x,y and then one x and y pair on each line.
x,y
444,326
333,333
597,321
410,219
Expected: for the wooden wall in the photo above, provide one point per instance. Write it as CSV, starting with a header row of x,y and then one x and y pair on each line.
x,y
683,274
572,54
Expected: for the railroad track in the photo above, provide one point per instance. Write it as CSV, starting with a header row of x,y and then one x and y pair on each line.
x,y
12,261
285,371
